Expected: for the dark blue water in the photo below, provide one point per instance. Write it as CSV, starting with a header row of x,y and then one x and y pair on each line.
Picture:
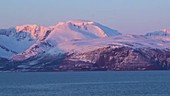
x,y
132,83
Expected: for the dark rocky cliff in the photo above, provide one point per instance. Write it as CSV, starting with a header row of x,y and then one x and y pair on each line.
x,y
123,58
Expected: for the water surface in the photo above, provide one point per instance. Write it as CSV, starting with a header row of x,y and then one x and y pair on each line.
x,y
116,83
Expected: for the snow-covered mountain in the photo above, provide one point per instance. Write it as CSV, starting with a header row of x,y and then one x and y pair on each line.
x,y
13,42
164,32
81,45
69,30
29,40
159,35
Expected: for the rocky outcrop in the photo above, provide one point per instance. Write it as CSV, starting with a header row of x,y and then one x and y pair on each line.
x,y
102,59
123,58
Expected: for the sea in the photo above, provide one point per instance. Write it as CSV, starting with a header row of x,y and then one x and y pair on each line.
x,y
95,83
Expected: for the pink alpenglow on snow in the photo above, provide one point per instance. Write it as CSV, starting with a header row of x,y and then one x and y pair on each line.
x,y
84,43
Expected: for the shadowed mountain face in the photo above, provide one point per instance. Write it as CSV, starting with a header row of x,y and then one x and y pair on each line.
x,y
80,46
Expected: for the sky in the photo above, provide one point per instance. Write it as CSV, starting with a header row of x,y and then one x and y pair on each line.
x,y
126,16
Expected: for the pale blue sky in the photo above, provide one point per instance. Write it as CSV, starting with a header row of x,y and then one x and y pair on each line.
x,y
127,16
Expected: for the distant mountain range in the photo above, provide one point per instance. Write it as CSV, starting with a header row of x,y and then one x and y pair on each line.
x,y
81,45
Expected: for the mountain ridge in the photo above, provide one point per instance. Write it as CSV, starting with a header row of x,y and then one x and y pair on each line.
x,y
79,44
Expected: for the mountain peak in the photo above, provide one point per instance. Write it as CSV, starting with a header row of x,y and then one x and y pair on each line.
x,y
63,31
85,27
33,29
27,27
166,31
81,22
163,32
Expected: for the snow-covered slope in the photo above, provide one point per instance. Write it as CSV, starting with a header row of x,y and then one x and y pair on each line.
x,y
29,40
87,45
159,35
36,32
13,42
69,30
125,52
164,32
79,29
131,41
